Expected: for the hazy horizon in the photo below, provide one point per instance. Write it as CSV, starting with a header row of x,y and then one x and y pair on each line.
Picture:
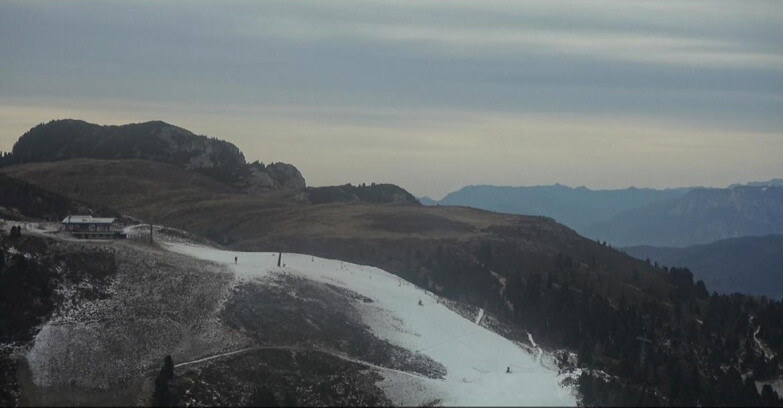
x,y
429,95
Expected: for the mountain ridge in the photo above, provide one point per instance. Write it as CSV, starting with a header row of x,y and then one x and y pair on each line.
x,y
701,216
576,207
158,141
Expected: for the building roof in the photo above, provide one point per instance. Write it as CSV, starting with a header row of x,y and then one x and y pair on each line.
x,y
86,219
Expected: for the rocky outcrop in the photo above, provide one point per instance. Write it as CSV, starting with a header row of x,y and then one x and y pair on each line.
x,y
286,176
257,177
197,152
374,193
156,141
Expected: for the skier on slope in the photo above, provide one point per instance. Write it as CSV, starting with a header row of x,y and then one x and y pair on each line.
x,y
420,304
508,370
235,260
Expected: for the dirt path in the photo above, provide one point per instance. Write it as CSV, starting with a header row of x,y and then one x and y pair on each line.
x,y
216,356
293,348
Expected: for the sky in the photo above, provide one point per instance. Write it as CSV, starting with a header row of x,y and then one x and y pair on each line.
x,y
429,95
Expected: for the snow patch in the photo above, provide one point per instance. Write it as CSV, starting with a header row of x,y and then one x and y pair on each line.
x,y
475,357
479,317
540,351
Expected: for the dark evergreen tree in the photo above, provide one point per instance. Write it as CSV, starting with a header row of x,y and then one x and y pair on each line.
x,y
262,397
701,290
769,398
165,394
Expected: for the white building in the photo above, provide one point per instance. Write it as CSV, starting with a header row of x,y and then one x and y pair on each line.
x,y
86,226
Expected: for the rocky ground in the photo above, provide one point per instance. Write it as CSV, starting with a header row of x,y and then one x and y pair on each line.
x,y
122,306
105,340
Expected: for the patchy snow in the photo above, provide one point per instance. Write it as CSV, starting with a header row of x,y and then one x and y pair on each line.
x,y
533,342
766,351
38,227
540,351
777,385
14,251
479,317
475,357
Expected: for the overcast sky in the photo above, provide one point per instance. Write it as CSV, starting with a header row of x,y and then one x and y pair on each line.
x,y
430,95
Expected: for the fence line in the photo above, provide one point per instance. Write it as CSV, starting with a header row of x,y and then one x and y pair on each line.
x,y
138,235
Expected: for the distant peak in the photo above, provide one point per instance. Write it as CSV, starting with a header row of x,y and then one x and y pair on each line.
x,y
156,123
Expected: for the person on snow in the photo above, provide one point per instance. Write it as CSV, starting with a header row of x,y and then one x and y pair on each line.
x,y
235,260
508,370
420,304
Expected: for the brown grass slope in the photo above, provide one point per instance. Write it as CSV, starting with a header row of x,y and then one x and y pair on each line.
x,y
136,187
20,199
419,243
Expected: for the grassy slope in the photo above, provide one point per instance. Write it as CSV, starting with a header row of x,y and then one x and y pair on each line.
x,y
19,199
143,186
407,240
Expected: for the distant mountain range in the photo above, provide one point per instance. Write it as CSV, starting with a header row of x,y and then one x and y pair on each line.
x,y
773,182
574,207
640,216
699,217
427,201
747,265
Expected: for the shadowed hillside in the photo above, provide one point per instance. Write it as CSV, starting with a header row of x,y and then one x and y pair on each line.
x,y
122,184
751,265
20,199
699,217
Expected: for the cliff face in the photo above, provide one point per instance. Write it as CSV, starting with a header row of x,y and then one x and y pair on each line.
x,y
156,141
286,176
196,152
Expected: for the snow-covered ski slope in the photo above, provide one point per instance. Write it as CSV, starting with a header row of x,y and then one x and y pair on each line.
x,y
475,358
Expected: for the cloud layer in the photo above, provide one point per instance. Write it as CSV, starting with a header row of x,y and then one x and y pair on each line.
x,y
431,95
